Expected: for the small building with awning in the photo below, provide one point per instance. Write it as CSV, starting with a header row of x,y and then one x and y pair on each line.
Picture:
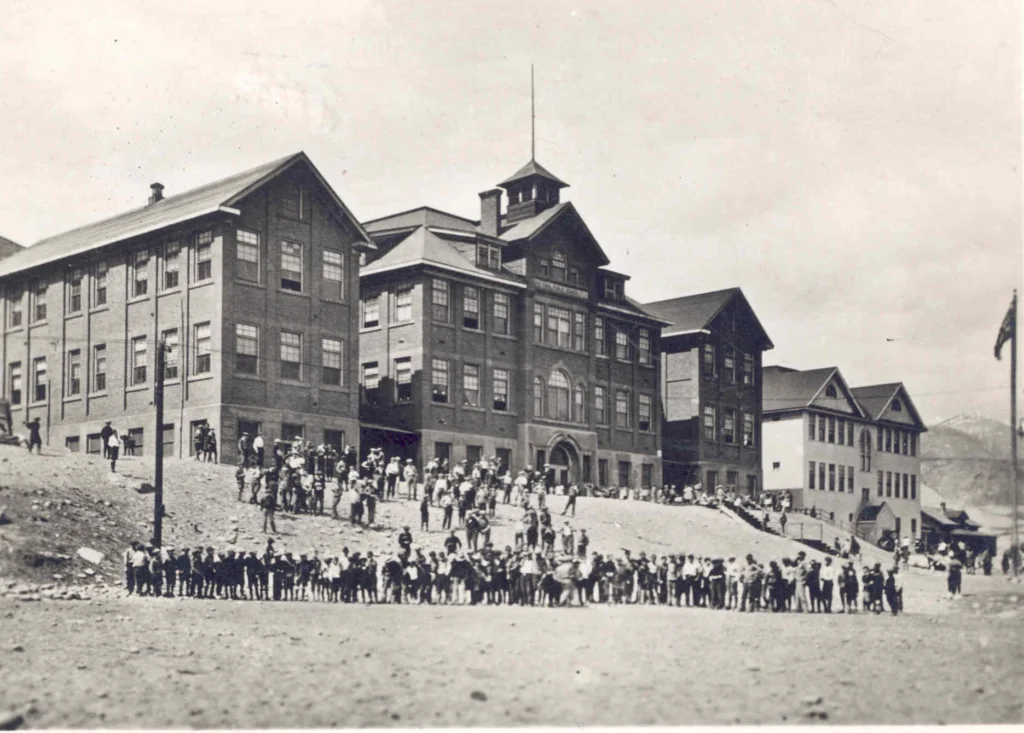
x,y
954,525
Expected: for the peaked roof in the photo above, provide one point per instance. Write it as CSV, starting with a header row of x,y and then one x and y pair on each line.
x,y
423,247
691,313
875,400
937,516
870,513
9,247
422,216
533,168
789,390
206,199
527,229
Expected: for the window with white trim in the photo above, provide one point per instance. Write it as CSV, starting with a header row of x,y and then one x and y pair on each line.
x,y
202,344
74,373
204,256
291,266
139,270
247,255
247,348
170,339
440,381
332,276
403,302
332,369
500,378
291,355
470,307
140,360
403,379
172,256
644,412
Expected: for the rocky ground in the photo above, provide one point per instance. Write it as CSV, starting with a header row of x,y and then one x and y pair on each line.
x,y
77,653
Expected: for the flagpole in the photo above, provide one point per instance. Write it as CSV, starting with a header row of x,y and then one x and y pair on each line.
x,y
1013,433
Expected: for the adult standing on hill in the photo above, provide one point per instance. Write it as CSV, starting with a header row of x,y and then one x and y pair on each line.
x,y
244,450
105,432
258,447
210,451
33,436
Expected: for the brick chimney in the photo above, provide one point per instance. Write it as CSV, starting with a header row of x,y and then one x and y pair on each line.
x,y
156,192
490,211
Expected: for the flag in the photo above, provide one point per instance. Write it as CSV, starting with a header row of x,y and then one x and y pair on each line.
x,y
1009,327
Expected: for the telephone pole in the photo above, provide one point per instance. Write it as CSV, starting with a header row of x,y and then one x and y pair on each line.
x,y
158,474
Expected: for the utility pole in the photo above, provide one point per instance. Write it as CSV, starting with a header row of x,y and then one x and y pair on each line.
x,y
158,473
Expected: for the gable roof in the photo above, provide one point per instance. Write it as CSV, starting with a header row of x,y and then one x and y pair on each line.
x,y
936,516
9,247
220,195
691,313
533,168
421,216
876,398
870,513
527,229
424,247
790,390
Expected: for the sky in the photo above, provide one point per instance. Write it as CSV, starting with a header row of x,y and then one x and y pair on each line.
x,y
853,166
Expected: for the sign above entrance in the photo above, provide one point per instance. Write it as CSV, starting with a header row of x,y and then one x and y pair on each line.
x,y
562,290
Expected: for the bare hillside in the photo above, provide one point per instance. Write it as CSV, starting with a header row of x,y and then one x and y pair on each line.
x,y
966,460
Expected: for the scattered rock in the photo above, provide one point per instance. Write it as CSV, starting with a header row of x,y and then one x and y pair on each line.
x,y
10,720
4,519
478,695
145,488
812,700
17,648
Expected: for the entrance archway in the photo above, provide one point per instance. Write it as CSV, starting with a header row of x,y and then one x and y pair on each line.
x,y
565,460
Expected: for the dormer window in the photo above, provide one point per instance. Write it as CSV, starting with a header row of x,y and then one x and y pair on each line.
x,y
897,406
612,289
558,266
488,256
830,392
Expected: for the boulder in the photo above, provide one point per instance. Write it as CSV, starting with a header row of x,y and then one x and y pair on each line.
x,y
4,519
145,488
89,555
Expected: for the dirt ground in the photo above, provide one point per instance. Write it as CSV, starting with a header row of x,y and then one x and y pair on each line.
x,y
178,663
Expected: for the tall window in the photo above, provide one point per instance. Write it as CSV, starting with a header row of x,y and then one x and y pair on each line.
x,y
140,273
558,396
544,268
500,319
470,307
821,428
811,474
574,275
538,323
558,265
99,284
371,310
291,355
645,346
291,266
842,432
625,472
471,385
440,380
811,431
538,397
913,488
748,430
403,379
38,301
821,476
500,378
170,338
831,430
247,256
880,477
729,366
140,359
621,344
440,301
913,445
579,401
888,440
709,361
622,408
600,414
888,484
841,480
202,342
74,373
906,443
99,368
39,379
292,201
75,291
644,412
748,369
332,275
600,347
15,387
247,348
579,332
332,361
371,383
403,302
172,254
881,437
831,477
849,479
729,426
14,305
709,423
204,256
558,327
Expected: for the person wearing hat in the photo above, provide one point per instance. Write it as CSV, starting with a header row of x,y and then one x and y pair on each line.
x,y
405,540
244,449
411,479
391,475
105,432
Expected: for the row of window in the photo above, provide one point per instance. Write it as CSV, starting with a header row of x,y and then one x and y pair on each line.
x,y
292,265
558,269
731,361
838,431
291,365
890,484
830,476
732,480
551,400
566,329
726,432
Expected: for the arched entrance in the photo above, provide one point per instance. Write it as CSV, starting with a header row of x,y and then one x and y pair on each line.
x,y
565,460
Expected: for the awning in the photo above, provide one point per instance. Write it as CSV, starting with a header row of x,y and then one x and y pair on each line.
x,y
968,534
386,429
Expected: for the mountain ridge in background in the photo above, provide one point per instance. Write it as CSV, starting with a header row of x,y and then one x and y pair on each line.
x,y
966,459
